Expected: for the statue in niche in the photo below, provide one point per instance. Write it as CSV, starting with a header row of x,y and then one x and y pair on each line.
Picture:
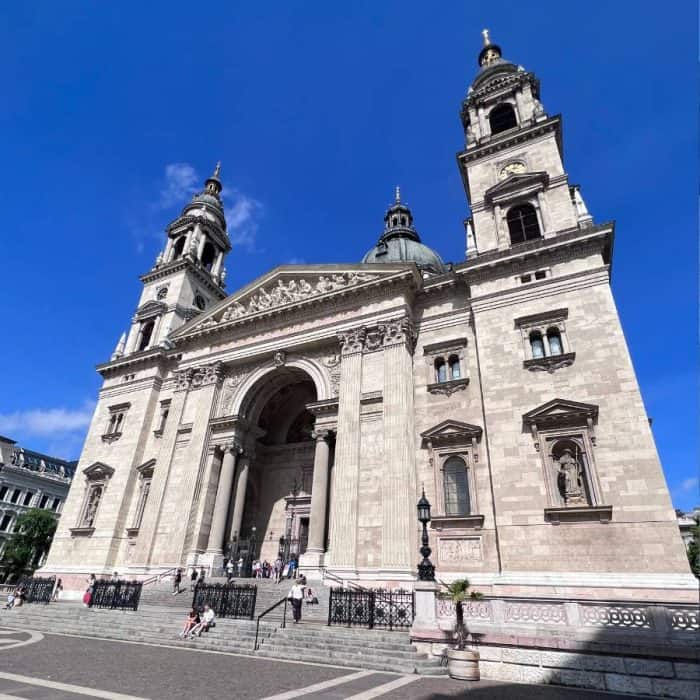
x,y
570,479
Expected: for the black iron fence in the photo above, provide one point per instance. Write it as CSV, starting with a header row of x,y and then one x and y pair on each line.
x,y
117,595
37,590
371,608
226,600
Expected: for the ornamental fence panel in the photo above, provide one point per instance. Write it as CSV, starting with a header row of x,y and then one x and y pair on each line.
x,y
226,600
371,608
116,595
38,590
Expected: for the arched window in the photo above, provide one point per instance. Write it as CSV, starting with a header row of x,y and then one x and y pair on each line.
x,y
455,369
208,255
456,487
536,344
179,247
440,370
502,118
522,223
403,220
554,341
146,333
394,221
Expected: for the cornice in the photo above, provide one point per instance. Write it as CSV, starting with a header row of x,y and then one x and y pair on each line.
x,y
154,356
508,139
489,263
179,265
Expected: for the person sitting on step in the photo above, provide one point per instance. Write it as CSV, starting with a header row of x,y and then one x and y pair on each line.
x,y
191,622
206,624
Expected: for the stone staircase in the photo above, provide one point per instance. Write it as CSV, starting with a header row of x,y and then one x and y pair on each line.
x,y
161,595
161,615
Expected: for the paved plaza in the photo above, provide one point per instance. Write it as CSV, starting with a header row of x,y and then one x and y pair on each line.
x,y
58,667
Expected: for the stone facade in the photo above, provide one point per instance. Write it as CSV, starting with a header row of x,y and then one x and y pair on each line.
x,y
29,479
304,412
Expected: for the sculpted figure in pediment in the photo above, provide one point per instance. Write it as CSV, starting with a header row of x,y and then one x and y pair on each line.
x,y
323,285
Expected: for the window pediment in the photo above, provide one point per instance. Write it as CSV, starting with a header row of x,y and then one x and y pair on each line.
x,y
451,432
98,471
517,185
560,413
146,469
149,309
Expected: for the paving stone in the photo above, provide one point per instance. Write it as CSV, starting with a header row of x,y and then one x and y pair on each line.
x,y
682,690
628,684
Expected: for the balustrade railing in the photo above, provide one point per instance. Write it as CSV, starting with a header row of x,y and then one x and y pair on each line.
x,y
608,615
390,609
116,595
226,600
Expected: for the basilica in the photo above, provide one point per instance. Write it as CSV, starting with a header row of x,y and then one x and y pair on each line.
x,y
304,414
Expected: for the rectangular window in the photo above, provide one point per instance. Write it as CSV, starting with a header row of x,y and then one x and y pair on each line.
x,y
3,492
5,522
44,500
15,496
28,498
456,487
55,504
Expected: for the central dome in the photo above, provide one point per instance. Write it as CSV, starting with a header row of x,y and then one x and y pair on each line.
x,y
400,242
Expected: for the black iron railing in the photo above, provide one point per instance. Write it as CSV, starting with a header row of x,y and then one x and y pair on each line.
x,y
37,590
226,600
116,595
281,601
371,608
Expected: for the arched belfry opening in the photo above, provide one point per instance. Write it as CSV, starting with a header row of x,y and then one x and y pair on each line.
x,y
273,509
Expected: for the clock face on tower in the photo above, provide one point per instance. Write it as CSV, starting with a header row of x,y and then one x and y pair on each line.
x,y
514,168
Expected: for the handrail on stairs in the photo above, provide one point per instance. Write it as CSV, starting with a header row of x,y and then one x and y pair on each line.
x,y
264,612
156,578
343,582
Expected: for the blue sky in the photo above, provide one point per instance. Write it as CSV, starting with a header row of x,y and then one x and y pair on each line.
x,y
112,113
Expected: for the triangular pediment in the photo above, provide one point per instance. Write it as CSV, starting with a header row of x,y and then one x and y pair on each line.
x,y
561,411
452,431
98,471
516,183
290,286
146,469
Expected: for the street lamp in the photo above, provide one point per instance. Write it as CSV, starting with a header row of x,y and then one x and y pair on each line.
x,y
426,570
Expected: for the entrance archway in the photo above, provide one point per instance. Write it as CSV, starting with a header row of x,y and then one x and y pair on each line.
x,y
277,503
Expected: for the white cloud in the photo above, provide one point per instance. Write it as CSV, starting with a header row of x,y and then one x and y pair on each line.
x,y
688,485
46,422
242,215
180,183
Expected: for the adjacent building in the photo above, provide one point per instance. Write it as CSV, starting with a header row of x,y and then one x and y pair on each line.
x,y
313,405
29,479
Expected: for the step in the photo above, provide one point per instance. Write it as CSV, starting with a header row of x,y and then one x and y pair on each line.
x,y
336,660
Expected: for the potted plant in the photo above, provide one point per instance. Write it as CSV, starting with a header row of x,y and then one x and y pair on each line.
x,y
462,663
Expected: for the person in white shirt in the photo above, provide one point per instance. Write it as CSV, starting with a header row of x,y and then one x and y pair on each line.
x,y
296,597
206,624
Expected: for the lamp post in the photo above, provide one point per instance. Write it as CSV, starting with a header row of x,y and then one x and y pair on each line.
x,y
426,570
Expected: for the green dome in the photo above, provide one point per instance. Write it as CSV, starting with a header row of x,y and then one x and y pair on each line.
x,y
400,242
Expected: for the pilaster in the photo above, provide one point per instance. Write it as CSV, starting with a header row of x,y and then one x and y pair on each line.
x,y
346,471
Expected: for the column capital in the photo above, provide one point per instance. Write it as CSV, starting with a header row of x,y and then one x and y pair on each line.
x,y
321,434
352,341
232,447
398,331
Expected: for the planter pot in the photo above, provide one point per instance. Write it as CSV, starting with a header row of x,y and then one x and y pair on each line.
x,y
463,665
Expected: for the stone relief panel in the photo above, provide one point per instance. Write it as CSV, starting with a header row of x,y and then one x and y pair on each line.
x,y
372,338
457,550
287,292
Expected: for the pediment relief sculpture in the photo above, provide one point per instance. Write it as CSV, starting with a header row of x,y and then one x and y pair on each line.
x,y
285,292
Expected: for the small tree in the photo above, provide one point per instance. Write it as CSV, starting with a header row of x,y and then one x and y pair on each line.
x,y
459,592
694,548
32,539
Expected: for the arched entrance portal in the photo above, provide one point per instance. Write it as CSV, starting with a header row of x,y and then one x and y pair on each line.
x,y
277,501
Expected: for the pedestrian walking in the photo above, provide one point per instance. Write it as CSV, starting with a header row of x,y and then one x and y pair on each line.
x,y
193,578
57,590
296,597
177,579
229,569
202,575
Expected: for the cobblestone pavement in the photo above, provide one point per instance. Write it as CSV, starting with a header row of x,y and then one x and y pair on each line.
x,y
58,667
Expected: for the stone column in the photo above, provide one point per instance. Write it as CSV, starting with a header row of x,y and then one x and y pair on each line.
x,y
346,470
398,477
319,495
168,250
239,498
223,496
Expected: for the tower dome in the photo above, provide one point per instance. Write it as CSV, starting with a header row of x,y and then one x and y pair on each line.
x,y
400,242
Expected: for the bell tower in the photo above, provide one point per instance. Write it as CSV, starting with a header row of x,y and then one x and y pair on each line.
x,y
188,275
512,165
